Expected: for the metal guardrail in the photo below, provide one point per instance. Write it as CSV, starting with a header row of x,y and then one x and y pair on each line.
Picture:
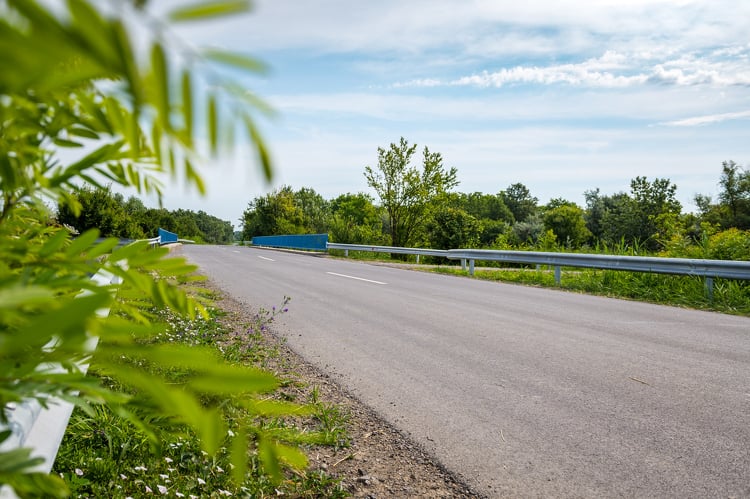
x,y
708,269
388,249
42,428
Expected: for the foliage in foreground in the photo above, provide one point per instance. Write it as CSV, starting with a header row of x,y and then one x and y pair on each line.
x,y
106,456
74,77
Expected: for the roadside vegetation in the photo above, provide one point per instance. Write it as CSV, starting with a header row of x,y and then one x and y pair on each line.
x,y
105,455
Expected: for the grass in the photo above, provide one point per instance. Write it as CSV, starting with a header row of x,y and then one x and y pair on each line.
x,y
104,455
729,296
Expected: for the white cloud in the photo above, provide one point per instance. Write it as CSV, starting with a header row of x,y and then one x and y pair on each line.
x,y
616,70
708,119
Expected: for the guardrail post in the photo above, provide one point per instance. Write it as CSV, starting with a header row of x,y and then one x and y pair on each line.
x,y
463,264
346,253
417,259
710,288
557,275
471,267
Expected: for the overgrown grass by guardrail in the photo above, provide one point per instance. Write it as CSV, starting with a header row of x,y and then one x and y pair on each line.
x,y
712,284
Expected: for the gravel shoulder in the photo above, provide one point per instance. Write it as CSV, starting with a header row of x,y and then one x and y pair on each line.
x,y
380,461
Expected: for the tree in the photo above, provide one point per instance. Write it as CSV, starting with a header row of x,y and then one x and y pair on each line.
x,y
315,210
735,194
72,76
653,203
98,209
640,219
405,191
275,213
566,221
452,228
355,220
519,201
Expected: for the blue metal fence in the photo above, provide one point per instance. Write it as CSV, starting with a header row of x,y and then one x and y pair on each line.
x,y
313,242
166,237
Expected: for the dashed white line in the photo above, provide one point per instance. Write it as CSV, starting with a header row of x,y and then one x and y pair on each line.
x,y
264,258
235,251
357,278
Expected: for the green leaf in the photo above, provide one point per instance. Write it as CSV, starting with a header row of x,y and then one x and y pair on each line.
x,y
187,105
80,131
161,82
228,379
193,177
263,154
238,456
66,143
209,9
235,60
82,243
275,408
291,456
19,296
213,124
269,459
54,243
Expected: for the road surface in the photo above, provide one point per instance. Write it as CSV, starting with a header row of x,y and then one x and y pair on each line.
x,y
523,392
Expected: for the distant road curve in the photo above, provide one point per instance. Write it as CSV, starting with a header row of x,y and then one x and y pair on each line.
x,y
524,392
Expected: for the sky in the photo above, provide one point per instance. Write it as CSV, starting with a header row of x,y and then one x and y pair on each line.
x,y
563,96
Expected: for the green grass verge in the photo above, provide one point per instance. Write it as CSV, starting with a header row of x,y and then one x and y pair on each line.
x,y
104,455
729,296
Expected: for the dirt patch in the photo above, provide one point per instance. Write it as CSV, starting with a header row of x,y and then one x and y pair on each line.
x,y
380,461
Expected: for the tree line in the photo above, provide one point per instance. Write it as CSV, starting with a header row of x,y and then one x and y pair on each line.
x,y
115,216
417,205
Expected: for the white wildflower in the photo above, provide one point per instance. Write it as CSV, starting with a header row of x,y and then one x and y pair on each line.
x,y
218,468
163,477
162,489
148,489
140,468
123,477
224,492
168,459
79,472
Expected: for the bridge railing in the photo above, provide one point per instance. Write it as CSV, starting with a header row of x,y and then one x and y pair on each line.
x,y
310,242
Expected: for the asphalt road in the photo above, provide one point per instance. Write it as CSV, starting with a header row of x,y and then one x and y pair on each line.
x,y
524,392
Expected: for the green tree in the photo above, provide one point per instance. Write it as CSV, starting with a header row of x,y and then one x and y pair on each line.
x,y
735,195
566,221
355,220
273,214
213,229
405,191
642,218
98,209
72,76
452,228
519,201
315,210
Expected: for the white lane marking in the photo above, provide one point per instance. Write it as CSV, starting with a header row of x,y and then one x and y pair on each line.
x,y
357,278
264,258
235,251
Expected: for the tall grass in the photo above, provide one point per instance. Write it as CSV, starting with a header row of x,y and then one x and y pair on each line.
x,y
729,296
104,455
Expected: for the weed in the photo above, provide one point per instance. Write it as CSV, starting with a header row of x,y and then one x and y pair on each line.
x,y
105,455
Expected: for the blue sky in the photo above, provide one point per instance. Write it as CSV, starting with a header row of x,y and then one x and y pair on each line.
x,y
564,96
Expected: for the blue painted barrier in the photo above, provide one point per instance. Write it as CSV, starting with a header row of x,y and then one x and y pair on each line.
x,y
166,237
313,242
